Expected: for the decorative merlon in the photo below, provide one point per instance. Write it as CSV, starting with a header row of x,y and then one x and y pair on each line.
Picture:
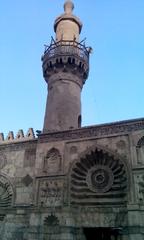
x,y
1,137
10,136
19,136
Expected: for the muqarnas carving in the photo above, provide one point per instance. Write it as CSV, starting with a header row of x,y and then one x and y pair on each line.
x,y
6,192
140,151
52,161
98,178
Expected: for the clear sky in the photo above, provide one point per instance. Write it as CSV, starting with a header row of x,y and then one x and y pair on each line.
x,y
115,88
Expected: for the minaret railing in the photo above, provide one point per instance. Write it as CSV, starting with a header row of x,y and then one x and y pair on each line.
x,y
66,48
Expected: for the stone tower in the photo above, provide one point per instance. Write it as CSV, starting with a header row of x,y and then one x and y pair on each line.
x,y
65,69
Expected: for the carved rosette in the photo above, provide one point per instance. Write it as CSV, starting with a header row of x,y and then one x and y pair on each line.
x,y
98,178
6,192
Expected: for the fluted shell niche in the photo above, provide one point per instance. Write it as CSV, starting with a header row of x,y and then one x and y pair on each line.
x,y
6,192
98,178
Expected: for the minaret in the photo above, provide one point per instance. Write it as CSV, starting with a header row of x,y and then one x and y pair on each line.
x,y
65,69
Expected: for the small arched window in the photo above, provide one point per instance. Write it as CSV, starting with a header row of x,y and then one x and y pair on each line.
x,y
79,121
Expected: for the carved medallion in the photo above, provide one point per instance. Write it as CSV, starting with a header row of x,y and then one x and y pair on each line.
x,y
100,178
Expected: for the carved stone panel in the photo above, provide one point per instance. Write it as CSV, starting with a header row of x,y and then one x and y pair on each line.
x,y
50,192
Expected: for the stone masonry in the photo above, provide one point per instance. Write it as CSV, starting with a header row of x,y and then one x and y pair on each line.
x,y
71,182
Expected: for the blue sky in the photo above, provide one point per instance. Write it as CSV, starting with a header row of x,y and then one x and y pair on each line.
x,y
114,90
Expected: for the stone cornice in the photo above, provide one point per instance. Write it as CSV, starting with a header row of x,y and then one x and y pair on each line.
x,y
15,146
102,130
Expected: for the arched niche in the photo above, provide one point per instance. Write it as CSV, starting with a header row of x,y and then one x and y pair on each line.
x,y
98,177
52,161
140,150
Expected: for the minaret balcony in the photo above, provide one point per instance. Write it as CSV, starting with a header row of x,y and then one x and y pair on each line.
x,y
67,55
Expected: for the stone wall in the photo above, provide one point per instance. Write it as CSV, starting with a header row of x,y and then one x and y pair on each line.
x,y
52,188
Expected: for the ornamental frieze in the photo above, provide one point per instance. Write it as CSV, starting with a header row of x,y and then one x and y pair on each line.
x,y
94,131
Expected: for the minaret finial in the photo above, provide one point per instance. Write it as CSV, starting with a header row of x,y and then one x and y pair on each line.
x,y
68,7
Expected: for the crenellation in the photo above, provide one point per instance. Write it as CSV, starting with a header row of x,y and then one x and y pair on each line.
x,y
20,136
10,136
30,134
1,137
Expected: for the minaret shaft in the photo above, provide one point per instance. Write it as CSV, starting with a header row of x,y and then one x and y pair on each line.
x,y
63,108
65,69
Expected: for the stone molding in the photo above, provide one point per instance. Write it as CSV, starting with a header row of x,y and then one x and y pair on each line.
x,y
17,145
65,77
102,130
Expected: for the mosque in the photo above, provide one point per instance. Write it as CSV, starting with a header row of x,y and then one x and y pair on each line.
x,y
71,182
